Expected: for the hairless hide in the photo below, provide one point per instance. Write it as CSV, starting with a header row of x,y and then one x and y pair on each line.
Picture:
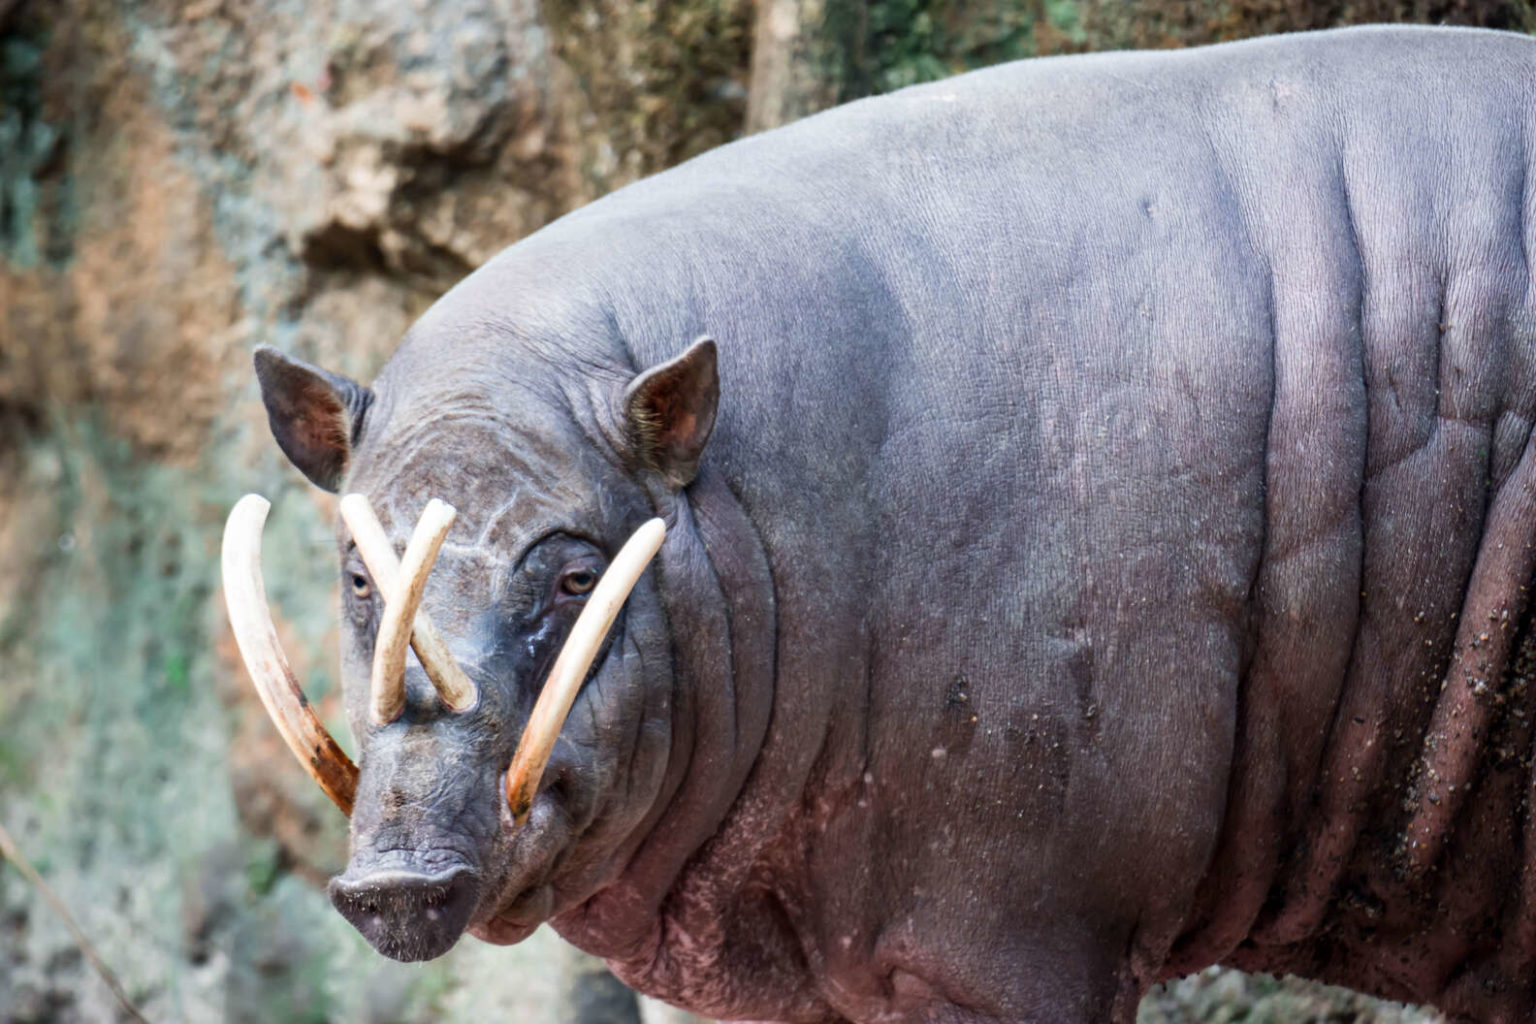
x,y
1100,516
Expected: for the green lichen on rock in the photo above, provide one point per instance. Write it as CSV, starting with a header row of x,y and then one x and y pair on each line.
x,y
117,727
36,199
889,44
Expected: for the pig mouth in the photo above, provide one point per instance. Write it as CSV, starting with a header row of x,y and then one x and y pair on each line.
x,y
417,914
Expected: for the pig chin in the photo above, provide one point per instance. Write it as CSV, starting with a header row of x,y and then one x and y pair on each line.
x,y
518,921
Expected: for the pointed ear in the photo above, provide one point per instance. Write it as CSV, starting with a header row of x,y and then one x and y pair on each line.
x,y
316,416
669,411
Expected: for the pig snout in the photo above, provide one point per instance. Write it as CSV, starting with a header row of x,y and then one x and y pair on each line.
x,y
408,915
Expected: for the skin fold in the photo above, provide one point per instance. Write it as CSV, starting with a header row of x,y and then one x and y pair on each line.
x,y
1098,539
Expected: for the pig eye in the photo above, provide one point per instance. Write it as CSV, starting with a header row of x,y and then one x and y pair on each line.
x,y
360,588
578,582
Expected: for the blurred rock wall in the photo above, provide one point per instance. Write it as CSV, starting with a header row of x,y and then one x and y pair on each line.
x,y
183,179
179,182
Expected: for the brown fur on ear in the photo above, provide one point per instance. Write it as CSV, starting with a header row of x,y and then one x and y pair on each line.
x,y
316,416
669,411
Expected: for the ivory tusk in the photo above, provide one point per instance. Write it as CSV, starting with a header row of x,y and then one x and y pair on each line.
x,y
245,596
572,663
456,689
400,607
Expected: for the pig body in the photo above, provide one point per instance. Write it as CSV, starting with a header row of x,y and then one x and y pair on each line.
x,y
1110,555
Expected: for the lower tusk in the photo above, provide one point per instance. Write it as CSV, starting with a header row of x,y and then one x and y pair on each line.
x,y
245,595
379,554
571,666
400,607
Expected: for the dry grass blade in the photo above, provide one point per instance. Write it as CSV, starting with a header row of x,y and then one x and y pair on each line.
x,y
13,854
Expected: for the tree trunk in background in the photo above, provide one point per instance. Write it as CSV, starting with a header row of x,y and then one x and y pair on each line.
x,y
789,56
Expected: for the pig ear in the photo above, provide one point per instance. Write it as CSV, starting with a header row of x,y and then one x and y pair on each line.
x,y
669,411
316,416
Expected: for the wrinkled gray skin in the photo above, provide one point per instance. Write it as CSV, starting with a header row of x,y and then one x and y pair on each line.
x,y
1109,558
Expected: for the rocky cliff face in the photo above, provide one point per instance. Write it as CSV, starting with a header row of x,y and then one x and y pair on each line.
x,y
183,179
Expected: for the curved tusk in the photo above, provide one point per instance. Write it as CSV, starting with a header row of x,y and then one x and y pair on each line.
x,y
400,607
571,665
245,595
456,689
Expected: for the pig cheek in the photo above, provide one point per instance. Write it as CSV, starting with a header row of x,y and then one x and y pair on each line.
x,y
650,761
627,742
640,773
356,664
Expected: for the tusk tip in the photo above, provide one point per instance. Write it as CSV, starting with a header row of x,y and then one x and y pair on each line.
x,y
253,502
656,528
353,503
439,507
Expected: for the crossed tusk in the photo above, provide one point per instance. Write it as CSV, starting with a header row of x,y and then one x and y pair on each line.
x,y
403,581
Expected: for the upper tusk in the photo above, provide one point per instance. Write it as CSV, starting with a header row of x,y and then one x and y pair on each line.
x,y
245,595
571,665
400,606
456,689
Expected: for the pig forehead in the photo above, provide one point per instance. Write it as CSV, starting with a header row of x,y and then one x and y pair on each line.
x,y
505,482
